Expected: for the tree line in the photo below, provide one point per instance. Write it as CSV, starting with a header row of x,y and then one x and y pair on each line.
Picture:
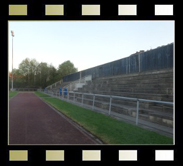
x,y
32,74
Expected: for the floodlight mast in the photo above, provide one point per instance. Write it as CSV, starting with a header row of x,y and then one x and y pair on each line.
x,y
12,34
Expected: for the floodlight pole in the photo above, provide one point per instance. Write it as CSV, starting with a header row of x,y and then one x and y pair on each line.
x,y
12,33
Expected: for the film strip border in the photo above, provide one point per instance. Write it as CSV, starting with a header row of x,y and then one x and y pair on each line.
x,y
90,10
91,155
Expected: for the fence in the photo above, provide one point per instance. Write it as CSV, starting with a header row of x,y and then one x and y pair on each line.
x,y
92,102
155,59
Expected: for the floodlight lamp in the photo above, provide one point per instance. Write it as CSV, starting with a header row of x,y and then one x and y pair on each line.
x,y
12,33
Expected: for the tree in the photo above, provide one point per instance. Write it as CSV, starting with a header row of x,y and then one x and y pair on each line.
x,y
28,68
39,75
66,68
53,75
24,68
33,69
18,79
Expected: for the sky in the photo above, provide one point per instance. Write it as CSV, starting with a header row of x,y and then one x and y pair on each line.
x,y
85,43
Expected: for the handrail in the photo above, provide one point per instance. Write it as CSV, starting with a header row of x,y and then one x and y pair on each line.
x,y
156,101
127,98
111,97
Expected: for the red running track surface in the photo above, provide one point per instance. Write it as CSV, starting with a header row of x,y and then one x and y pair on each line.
x,y
31,121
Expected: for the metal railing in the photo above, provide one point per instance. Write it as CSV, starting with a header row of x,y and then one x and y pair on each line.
x,y
110,97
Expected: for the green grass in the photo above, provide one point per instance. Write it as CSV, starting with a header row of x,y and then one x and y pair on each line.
x,y
41,94
12,93
108,129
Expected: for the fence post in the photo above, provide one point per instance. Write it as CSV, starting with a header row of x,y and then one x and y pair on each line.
x,y
137,113
82,98
93,102
68,96
74,97
110,105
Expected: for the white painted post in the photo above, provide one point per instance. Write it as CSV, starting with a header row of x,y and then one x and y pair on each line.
x,y
110,105
93,102
82,98
137,113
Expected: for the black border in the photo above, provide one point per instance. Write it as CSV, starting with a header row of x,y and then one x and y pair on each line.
x,y
73,154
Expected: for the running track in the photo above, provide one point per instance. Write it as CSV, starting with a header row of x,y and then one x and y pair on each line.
x,y
31,121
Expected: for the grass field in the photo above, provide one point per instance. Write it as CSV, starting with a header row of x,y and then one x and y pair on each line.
x,y
12,93
108,129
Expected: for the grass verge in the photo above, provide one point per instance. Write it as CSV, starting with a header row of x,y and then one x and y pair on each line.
x,y
41,94
12,93
108,129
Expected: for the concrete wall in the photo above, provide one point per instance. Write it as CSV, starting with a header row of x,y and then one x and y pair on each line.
x,y
155,59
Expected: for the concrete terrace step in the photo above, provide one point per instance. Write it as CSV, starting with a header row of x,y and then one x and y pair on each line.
x,y
165,119
142,80
162,108
131,92
133,81
145,90
139,90
168,115
166,87
132,84
162,97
